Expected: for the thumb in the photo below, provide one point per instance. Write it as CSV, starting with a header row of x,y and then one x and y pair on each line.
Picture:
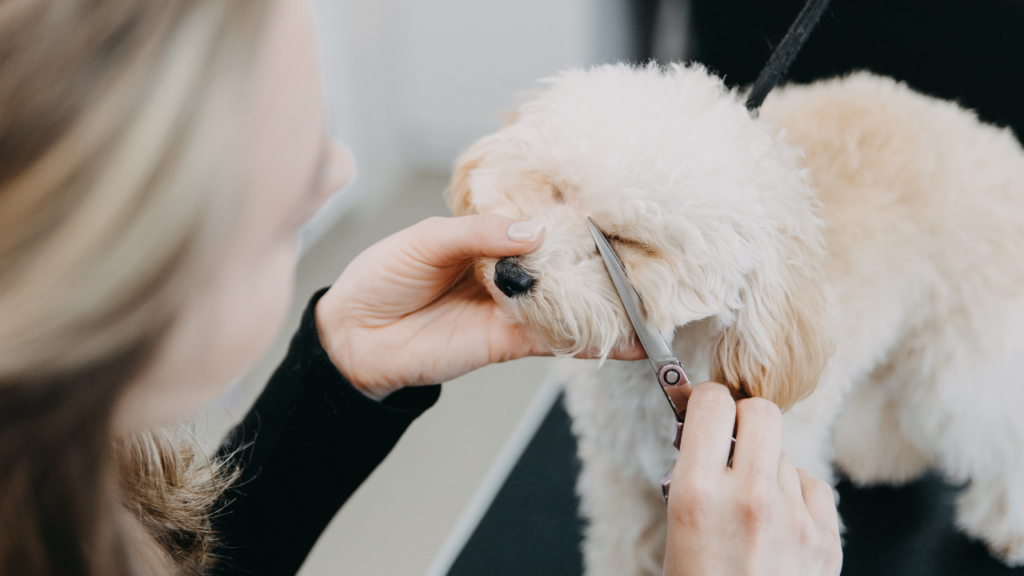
x,y
450,241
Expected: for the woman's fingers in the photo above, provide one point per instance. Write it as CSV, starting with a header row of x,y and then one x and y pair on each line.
x,y
704,449
758,438
446,242
722,522
820,501
789,479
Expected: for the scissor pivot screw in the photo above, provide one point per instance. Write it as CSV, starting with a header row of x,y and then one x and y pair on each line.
x,y
672,377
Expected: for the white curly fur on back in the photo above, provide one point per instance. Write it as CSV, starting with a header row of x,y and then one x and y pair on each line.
x,y
854,254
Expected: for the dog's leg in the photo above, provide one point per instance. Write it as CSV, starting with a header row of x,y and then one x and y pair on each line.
x,y
991,509
623,427
626,522
870,444
982,443
966,408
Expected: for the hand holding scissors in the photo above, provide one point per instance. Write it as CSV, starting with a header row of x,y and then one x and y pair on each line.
x,y
797,516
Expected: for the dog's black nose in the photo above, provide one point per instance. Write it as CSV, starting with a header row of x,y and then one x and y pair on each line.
x,y
510,277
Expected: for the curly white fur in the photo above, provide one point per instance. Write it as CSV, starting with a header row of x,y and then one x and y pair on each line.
x,y
854,254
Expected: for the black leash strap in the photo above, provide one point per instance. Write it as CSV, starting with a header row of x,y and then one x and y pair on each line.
x,y
786,52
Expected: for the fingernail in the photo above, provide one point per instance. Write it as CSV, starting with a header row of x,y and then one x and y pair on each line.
x,y
525,231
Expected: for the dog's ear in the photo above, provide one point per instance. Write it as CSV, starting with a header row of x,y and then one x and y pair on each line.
x,y
458,193
779,346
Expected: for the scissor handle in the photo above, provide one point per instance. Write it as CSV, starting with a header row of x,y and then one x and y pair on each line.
x,y
677,388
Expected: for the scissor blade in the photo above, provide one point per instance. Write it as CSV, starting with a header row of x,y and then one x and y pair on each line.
x,y
659,352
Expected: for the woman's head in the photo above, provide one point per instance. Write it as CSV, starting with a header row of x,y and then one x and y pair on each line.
x,y
156,159
287,166
138,142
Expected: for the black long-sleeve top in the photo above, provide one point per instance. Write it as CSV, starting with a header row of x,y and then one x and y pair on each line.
x,y
304,447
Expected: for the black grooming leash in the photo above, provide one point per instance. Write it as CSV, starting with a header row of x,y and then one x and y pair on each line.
x,y
786,52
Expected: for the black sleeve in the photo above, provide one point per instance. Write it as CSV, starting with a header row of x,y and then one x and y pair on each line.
x,y
307,444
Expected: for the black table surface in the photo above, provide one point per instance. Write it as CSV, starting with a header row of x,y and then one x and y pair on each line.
x,y
532,527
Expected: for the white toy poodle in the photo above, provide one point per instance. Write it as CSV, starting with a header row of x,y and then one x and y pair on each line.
x,y
854,253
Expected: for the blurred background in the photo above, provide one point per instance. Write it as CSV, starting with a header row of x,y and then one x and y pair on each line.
x,y
413,82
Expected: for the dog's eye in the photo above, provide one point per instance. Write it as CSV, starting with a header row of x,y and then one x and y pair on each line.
x,y
634,244
626,241
556,193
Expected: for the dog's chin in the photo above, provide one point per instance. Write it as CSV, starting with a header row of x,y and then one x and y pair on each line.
x,y
581,349
577,349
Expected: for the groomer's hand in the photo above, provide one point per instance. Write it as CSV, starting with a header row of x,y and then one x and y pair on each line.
x,y
762,516
408,310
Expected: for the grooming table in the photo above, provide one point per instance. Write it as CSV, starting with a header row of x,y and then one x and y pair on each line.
x,y
532,528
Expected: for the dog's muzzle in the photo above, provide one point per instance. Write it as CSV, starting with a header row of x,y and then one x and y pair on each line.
x,y
511,278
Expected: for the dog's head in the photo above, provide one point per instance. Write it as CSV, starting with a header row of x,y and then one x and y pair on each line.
x,y
707,207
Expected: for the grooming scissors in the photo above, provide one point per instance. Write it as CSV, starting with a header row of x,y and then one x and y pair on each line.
x,y
669,371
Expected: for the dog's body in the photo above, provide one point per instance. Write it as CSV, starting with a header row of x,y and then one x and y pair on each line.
x,y
855,254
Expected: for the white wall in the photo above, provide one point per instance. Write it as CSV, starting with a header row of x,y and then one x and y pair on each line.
x,y
465,60
413,82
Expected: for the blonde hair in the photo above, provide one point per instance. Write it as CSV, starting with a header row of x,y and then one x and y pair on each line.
x,y
118,120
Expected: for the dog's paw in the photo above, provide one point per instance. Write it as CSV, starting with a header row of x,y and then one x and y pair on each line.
x,y
982,513
1010,550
